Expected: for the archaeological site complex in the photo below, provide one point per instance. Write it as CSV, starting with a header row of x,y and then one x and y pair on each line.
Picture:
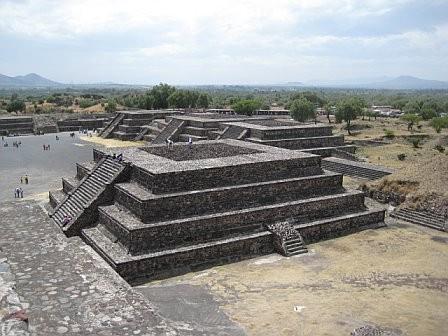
x,y
160,210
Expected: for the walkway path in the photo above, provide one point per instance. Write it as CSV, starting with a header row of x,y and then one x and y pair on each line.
x,y
63,286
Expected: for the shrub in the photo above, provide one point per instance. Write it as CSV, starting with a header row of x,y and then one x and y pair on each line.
x,y
389,134
85,103
439,123
439,148
415,142
401,156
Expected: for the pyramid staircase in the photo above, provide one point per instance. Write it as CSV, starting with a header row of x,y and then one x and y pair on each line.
x,y
80,205
107,131
425,218
171,130
233,132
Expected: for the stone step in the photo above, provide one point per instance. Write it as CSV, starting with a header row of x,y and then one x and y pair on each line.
x,y
363,170
420,219
302,143
201,227
424,214
138,199
179,260
188,258
293,253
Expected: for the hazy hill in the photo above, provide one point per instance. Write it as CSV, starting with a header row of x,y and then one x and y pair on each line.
x,y
408,83
30,80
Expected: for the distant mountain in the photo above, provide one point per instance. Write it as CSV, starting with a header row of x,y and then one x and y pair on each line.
x,y
398,83
407,83
30,80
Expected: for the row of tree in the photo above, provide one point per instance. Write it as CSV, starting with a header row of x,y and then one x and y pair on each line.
x,y
164,96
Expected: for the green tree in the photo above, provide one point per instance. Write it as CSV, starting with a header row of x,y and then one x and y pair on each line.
x,y
111,106
349,109
310,96
15,106
328,109
146,102
428,112
438,123
302,109
203,101
246,106
412,119
178,99
161,93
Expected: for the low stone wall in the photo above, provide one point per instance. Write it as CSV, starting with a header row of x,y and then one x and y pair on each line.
x,y
287,132
305,143
347,225
70,125
186,260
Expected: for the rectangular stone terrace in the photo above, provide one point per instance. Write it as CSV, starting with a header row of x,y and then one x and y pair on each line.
x,y
191,207
290,134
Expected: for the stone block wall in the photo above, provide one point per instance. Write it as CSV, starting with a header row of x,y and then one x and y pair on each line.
x,y
289,132
228,198
229,175
185,260
201,229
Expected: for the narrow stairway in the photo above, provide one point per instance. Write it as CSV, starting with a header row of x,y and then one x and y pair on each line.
x,y
106,131
294,246
171,129
90,189
288,240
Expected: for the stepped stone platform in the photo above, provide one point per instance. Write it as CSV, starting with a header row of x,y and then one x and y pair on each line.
x,y
266,130
172,210
128,125
420,217
69,125
16,125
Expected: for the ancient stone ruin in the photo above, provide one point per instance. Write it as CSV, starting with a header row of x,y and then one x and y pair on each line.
x,y
165,210
16,125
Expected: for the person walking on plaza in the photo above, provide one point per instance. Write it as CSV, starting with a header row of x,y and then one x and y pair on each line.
x,y
16,193
26,179
21,192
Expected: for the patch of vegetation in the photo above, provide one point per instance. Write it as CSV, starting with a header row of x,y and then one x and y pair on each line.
x,y
389,134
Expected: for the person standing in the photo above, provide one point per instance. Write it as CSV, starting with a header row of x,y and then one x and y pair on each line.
x,y
26,179
21,192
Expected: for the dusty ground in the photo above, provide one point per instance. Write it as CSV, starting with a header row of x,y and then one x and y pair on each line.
x,y
394,277
110,143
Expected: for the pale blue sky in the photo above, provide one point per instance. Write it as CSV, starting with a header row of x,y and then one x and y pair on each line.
x,y
223,42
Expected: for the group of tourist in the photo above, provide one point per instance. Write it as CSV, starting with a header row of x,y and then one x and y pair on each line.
x,y
118,157
17,144
46,147
18,193
24,179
